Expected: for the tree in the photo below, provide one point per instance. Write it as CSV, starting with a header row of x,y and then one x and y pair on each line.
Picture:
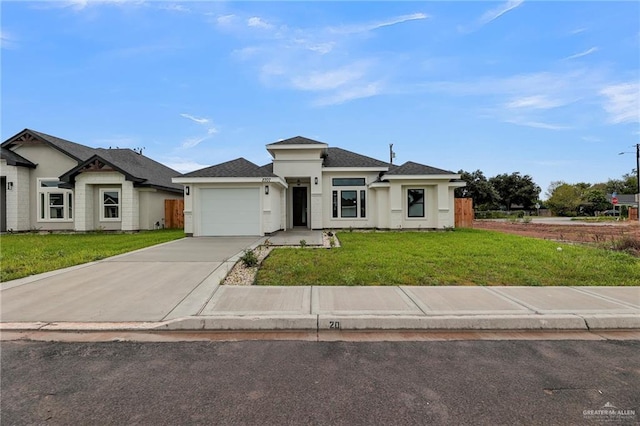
x,y
580,198
478,188
564,199
627,185
594,200
515,189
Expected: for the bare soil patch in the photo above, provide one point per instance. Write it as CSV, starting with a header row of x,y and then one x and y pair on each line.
x,y
574,232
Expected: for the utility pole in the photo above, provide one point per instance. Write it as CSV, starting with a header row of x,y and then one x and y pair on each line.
x,y
637,176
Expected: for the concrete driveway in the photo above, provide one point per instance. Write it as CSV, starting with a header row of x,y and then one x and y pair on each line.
x,y
167,280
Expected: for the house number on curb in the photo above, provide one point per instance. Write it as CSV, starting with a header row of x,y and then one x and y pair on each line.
x,y
334,324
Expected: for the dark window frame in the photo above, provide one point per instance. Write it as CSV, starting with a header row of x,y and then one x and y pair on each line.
x,y
350,208
349,181
411,201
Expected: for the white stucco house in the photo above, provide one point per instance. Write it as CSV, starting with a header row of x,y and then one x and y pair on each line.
x,y
312,185
53,184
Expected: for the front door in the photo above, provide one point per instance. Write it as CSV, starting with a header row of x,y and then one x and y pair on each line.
x,y
299,206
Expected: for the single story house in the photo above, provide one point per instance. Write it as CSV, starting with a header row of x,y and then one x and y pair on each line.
x,y
53,184
311,185
629,200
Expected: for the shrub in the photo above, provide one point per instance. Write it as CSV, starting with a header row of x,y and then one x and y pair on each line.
x,y
303,243
249,258
628,244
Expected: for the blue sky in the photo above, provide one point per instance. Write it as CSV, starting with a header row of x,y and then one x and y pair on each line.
x,y
549,89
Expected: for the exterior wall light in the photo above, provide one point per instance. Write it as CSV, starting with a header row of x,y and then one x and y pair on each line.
x,y
315,180
266,189
186,190
10,186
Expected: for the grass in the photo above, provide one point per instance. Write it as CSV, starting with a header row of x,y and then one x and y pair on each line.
x,y
598,218
22,255
462,257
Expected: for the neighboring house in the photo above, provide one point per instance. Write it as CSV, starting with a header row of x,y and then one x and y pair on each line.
x,y
628,200
312,185
53,184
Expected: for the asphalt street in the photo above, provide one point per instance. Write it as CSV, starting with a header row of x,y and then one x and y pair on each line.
x,y
333,383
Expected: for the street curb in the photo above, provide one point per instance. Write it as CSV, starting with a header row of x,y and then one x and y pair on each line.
x,y
452,322
242,323
373,323
612,322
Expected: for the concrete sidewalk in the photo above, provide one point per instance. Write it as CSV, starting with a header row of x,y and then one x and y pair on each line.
x,y
322,309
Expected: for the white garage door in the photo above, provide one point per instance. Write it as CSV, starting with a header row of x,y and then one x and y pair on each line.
x,y
230,212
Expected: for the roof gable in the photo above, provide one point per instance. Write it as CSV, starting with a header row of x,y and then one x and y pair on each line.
x,y
74,150
411,168
338,157
14,159
134,166
239,167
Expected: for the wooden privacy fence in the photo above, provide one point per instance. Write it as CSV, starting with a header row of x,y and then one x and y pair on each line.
x,y
464,212
174,213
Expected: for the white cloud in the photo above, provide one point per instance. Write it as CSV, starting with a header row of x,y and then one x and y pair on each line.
x,y
83,4
322,60
351,93
581,54
352,29
258,22
7,41
225,20
176,8
537,124
494,14
535,102
195,141
622,102
319,47
327,80
196,119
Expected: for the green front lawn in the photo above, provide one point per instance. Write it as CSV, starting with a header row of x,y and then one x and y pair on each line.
x,y
27,254
462,257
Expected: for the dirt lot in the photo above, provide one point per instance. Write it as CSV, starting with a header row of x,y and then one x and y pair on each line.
x,y
571,232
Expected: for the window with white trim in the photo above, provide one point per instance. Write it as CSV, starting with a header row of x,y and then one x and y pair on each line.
x,y
110,204
54,203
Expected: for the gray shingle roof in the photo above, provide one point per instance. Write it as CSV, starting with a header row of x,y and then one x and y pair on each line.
x,y
298,140
624,199
411,168
14,159
74,150
338,157
138,168
234,168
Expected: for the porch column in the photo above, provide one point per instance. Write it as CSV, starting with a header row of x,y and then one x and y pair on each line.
x,y
130,209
